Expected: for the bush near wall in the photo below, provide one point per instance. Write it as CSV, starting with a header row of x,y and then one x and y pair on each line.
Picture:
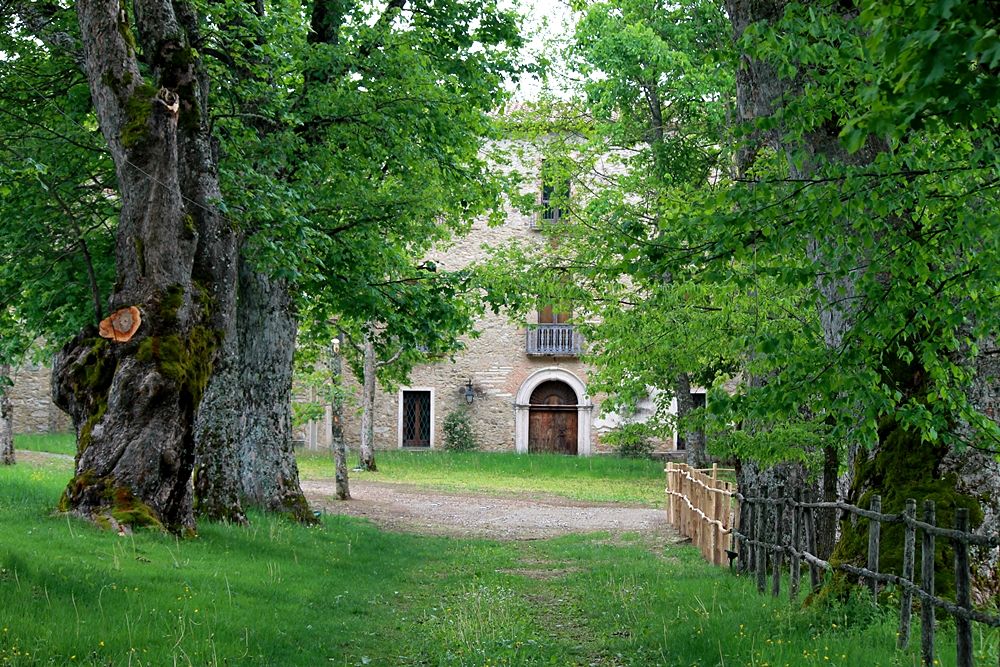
x,y
458,434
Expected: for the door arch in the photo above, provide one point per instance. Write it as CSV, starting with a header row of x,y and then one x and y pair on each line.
x,y
567,393
552,418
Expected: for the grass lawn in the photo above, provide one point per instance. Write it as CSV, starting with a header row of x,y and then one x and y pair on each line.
x,y
593,478
57,443
347,593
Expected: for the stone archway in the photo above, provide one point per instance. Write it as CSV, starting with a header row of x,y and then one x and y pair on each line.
x,y
522,407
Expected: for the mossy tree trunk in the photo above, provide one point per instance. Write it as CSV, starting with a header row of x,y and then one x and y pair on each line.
x,y
901,465
217,441
760,94
268,474
134,403
6,420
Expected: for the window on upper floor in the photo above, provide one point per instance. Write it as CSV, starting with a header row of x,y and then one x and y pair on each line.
x,y
555,196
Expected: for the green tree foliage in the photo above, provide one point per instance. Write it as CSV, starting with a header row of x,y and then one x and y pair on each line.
x,y
57,207
825,223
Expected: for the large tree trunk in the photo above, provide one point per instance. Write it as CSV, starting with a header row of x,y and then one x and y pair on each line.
x,y
6,421
902,464
754,480
269,476
134,402
694,440
217,441
368,406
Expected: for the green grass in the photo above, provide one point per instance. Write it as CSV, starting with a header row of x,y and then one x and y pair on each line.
x,y
346,593
57,443
594,478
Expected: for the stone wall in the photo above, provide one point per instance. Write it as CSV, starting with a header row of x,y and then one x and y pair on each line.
x,y
31,396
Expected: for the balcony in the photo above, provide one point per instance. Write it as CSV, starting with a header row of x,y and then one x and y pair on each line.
x,y
556,340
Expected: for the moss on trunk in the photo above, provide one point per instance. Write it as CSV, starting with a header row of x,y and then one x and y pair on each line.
x,y
903,467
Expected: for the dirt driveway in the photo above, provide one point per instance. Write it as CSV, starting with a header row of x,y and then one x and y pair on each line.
x,y
420,510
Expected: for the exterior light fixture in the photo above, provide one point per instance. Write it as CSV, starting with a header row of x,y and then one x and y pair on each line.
x,y
470,395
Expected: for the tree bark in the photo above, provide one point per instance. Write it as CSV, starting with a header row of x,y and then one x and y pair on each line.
x,y
694,440
337,442
7,457
269,476
368,406
826,520
133,403
218,438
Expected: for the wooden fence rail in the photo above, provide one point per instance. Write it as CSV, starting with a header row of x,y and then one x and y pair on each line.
x,y
700,506
960,537
707,510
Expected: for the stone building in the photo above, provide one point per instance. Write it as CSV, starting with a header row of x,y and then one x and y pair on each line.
x,y
523,383
31,399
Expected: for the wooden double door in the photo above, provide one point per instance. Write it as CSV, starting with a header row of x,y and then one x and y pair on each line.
x,y
552,419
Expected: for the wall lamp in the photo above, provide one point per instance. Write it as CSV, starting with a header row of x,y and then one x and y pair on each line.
x,y
470,395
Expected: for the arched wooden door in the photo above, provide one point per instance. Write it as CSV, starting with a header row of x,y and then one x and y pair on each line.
x,y
552,419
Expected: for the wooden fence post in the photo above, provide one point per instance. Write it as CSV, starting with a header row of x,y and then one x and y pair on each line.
x,y
714,515
963,626
670,499
746,527
779,541
909,547
795,564
760,530
874,532
814,579
682,506
927,584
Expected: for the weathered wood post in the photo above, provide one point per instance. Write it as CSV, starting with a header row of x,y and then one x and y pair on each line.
x,y
810,516
795,564
713,503
698,500
874,533
759,537
745,549
909,547
688,492
963,596
670,498
779,541
927,584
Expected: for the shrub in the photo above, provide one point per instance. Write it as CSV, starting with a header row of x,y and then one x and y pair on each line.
x,y
458,435
631,441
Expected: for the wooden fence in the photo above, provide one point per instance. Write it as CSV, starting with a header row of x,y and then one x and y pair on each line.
x,y
700,506
766,515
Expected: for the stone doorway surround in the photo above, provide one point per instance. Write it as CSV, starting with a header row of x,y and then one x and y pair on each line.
x,y
584,407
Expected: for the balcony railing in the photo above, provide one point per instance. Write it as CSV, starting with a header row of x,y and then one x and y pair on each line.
x,y
554,340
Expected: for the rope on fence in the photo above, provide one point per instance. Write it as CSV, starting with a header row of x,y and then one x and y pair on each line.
x,y
701,483
714,522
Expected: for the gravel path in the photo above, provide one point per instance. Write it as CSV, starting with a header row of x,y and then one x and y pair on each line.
x,y
416,509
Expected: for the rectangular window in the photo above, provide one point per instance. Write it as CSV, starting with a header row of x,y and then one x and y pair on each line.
x,y
555,199
416,427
